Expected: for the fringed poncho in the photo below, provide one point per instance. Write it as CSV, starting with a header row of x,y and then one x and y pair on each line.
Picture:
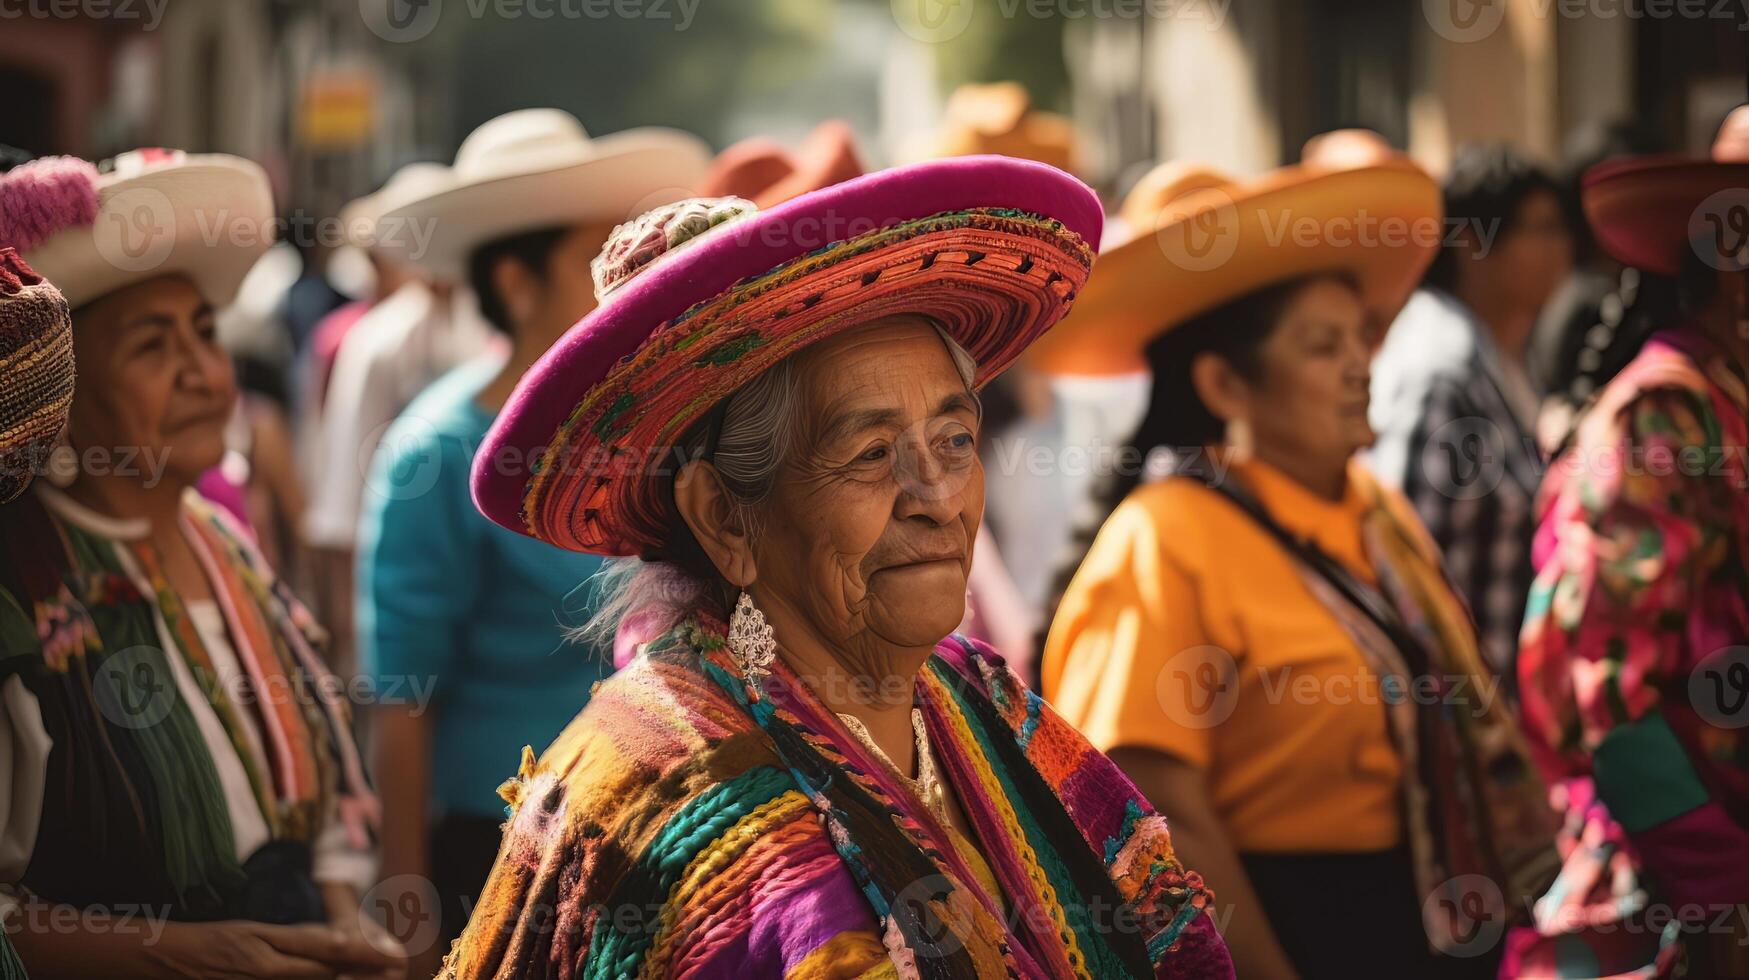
x,y
687,824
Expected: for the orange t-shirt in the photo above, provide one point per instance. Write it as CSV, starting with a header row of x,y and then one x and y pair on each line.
x,y
1189,630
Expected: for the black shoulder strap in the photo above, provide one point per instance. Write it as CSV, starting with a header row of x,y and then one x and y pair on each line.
x,y
1363,597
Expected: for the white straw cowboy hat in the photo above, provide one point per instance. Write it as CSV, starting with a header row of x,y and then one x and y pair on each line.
x,y
361,219
152,213
538,168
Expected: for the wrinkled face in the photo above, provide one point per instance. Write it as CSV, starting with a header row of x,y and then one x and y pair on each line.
x,y
869,530
1313,397
154,387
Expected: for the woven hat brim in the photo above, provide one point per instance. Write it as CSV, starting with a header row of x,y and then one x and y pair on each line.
x,y
994,282
798,254
1379,223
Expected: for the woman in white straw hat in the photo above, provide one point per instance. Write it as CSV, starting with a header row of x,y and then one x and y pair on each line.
x,y
418,330
171,740
444,593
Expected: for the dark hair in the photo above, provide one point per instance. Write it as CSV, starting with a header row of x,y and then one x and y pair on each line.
x,y
1486,187
1177,421
1585,147
532,249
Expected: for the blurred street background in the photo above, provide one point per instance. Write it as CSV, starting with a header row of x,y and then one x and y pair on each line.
x,y
332,95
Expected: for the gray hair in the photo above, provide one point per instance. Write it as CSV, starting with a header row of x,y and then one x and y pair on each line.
x,y
758,433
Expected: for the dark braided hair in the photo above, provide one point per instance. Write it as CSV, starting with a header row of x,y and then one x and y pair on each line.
x,y
1177,422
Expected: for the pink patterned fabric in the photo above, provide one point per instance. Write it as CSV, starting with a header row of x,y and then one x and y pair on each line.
x,y
1640,562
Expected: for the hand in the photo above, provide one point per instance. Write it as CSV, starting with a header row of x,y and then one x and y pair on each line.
x,y
237,950
374,954
364,950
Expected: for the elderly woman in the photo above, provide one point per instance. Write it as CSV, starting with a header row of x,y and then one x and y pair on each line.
x,y
181,795
1634,664
1263,639
802,774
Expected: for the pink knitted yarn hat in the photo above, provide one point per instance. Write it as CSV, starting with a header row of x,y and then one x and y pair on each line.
x,y
45,196
147,213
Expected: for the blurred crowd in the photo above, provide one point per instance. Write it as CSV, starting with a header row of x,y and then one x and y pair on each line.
x,y
1389,533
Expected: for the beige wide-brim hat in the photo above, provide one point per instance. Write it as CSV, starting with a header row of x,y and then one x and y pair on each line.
x,y
156,212
1195,238
361,219
533,169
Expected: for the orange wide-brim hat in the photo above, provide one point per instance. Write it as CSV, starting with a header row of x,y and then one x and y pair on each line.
x,y
763,171
1193,238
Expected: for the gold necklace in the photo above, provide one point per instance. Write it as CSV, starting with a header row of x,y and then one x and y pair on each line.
x,y
926,784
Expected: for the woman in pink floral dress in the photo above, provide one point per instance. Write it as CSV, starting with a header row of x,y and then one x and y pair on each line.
x,y
1634,667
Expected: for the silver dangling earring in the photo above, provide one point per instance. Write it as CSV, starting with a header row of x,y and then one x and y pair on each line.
x,y
1238,438
752,642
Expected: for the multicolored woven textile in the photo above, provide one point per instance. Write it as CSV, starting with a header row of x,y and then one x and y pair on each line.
x,y
134,810
36,361
10,967
1631,662
686,825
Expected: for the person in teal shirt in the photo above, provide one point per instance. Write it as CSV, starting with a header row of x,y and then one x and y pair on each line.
x,y
453,609
462,634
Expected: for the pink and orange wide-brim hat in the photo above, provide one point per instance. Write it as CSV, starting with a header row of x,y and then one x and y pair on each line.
x,y
993,249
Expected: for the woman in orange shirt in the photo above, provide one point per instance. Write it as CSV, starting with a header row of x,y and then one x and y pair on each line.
x,y
1264,640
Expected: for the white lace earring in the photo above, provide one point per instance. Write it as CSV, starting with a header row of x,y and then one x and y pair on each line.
x,y
752,643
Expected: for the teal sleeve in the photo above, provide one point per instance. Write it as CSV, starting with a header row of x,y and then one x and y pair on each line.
x,y
418,560
1643,774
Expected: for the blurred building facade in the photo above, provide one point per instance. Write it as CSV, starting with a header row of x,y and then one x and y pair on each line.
x,y
331,102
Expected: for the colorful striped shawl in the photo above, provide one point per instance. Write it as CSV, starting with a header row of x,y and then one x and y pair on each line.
x,y
135,811
685,826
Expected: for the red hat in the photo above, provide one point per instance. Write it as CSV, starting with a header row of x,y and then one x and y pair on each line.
x,y
1652,212
763,172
